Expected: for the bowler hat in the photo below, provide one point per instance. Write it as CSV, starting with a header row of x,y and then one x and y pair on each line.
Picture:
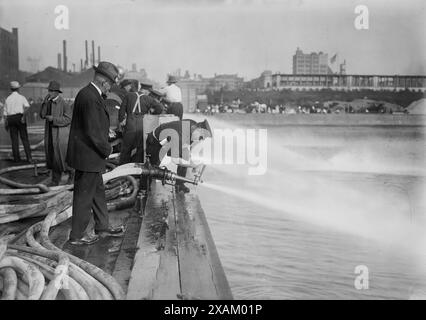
x,y
108,69
171,79
15,85
54,86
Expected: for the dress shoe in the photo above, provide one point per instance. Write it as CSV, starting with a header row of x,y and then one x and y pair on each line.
x,y
111,232
86,240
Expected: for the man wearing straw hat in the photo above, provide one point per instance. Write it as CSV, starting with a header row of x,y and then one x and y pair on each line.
x,y
173,97
57,127
14,112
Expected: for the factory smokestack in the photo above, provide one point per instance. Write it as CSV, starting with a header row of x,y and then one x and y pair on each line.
x,y
81,65
86,62
99,54
59,61
65,55
93,52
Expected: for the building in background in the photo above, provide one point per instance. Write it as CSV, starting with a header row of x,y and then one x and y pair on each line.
x,y
310,63
193,88
226,82
9,56
348,82
262,82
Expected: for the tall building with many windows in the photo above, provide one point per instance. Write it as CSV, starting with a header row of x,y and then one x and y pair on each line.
x,y
310,63
9,55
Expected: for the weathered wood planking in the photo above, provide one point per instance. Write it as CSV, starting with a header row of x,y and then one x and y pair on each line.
x,y
124,262
180,262
155,273
201,273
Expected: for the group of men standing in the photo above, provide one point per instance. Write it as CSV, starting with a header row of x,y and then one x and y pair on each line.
x,y
57,114
137,103
76,140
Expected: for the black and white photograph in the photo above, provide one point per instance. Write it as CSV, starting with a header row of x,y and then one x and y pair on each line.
x,y
235,151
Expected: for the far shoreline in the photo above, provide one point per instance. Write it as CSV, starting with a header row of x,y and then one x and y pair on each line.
x,y
348,119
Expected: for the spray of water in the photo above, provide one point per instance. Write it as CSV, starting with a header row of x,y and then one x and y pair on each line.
x,y
312,188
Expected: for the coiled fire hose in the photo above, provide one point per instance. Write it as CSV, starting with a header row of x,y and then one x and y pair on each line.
x,y
41,270
16,204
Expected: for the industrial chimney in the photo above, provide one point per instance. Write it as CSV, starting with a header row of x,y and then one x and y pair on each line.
x,y
86,62
99,54
81,65
93,52
59,62
65,55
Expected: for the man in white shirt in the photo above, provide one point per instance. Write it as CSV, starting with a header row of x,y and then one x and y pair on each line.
x,y
14,111
173,97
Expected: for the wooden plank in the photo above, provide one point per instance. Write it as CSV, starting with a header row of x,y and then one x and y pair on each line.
x,y
201,273
99,254
155,270
124,262
223,289
167,285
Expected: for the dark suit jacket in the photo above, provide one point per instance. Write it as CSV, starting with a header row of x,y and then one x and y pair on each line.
x,y
88,145
183,127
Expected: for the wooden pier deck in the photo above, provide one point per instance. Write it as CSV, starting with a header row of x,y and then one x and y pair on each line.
x,y
176,257
169,253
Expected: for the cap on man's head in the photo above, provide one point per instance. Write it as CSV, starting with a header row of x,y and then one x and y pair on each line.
x,y
205,125
145,85
54,86
108,70
14,85
157,93
171,79
125,82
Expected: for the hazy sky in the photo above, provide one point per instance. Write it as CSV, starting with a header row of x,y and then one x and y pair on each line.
x,y
223,36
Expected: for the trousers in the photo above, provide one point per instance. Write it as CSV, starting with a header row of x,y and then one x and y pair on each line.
x,y
133,137
88,199
176,108
16,126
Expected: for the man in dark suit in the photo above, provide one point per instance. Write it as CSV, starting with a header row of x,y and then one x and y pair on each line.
x,y
88,148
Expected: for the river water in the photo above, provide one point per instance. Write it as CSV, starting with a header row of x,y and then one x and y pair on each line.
x,y
339,214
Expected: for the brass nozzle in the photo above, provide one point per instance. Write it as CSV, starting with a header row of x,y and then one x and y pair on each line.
x,y
164,174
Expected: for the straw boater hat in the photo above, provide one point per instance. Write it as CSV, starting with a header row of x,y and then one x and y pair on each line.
x,y
54,86
15,85
108,70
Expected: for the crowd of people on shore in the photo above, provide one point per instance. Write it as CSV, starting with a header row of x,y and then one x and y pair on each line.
x,y
315,108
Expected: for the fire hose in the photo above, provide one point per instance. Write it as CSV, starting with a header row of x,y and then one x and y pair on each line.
x,y
43,271
48,264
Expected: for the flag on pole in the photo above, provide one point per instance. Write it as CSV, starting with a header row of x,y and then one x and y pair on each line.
x,y
333,59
